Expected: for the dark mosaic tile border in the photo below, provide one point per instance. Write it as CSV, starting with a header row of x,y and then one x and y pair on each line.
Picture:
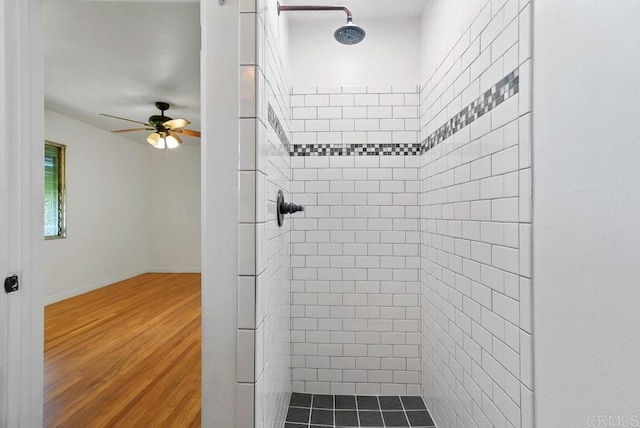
x,y
324,411
500,92
275,123
496,95
369,149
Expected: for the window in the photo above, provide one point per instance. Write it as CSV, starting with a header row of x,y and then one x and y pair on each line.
x,y
54,191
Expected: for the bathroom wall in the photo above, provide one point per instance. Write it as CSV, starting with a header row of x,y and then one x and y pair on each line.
x,y
475,109
474,221
264,356
439,35
355,308
332,64
587,206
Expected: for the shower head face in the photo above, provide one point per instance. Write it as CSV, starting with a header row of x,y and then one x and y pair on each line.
x,y
350,34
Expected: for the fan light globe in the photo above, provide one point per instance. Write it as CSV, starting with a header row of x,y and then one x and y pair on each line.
x,y
155,140
171,141
162,140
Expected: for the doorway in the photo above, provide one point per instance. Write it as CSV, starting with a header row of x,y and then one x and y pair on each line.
x,y
122,284
21,213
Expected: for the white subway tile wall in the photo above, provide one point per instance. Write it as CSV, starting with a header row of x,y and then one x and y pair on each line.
x,y
264,287
380,114
476,230
356,249
406,274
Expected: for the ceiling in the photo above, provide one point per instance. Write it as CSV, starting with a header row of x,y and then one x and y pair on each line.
x,y
120,57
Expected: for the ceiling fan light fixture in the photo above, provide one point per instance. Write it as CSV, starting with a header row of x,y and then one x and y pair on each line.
x,y
160,140
172,141
166,128
156,140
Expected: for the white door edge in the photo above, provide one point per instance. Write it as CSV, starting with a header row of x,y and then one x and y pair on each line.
x,y
21,213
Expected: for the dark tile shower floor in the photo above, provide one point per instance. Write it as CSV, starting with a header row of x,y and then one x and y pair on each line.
x,y
349,411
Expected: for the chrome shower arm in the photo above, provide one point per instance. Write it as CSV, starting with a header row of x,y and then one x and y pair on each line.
x,y
308,8
349,34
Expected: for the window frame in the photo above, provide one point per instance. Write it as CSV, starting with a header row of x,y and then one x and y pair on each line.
x,y
62,191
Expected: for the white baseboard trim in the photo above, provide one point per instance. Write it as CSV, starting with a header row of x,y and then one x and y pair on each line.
x,y
180,270
90,287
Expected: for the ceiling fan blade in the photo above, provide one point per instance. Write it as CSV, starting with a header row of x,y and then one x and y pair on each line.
x,y
122,118
189,132
134,129
176,123
174,135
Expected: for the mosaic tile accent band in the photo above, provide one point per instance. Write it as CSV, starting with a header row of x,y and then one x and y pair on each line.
x,y
275,123
500,92
493,97
381,149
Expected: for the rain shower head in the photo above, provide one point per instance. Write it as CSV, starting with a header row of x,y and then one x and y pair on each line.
x,y
349,34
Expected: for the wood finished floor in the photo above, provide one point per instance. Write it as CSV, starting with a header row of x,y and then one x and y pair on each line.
x,y
126,355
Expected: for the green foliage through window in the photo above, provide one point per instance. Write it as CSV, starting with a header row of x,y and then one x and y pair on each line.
x,y
54,191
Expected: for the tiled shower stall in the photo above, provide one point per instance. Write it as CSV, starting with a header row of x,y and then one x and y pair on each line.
x,y
356,251
409,272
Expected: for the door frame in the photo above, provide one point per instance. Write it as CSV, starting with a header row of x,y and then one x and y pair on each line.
x,y
21,213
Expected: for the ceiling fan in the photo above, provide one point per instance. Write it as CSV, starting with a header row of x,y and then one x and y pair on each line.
x,y
165,129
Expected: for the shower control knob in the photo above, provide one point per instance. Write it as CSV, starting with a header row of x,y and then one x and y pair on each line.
x,y
290,208
286,208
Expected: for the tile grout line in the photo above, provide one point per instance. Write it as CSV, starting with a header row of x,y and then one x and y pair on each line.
x,y
404,410
355,397
357,409
384,423
333,411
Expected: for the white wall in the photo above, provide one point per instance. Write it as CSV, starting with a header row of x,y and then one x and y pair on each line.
x,y
586,211
264,285
107,182
476,216
356,247
389,53
273,255
220,258
443,23
174,210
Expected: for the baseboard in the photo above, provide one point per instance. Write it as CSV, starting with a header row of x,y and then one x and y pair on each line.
x,y
180,270
90,287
